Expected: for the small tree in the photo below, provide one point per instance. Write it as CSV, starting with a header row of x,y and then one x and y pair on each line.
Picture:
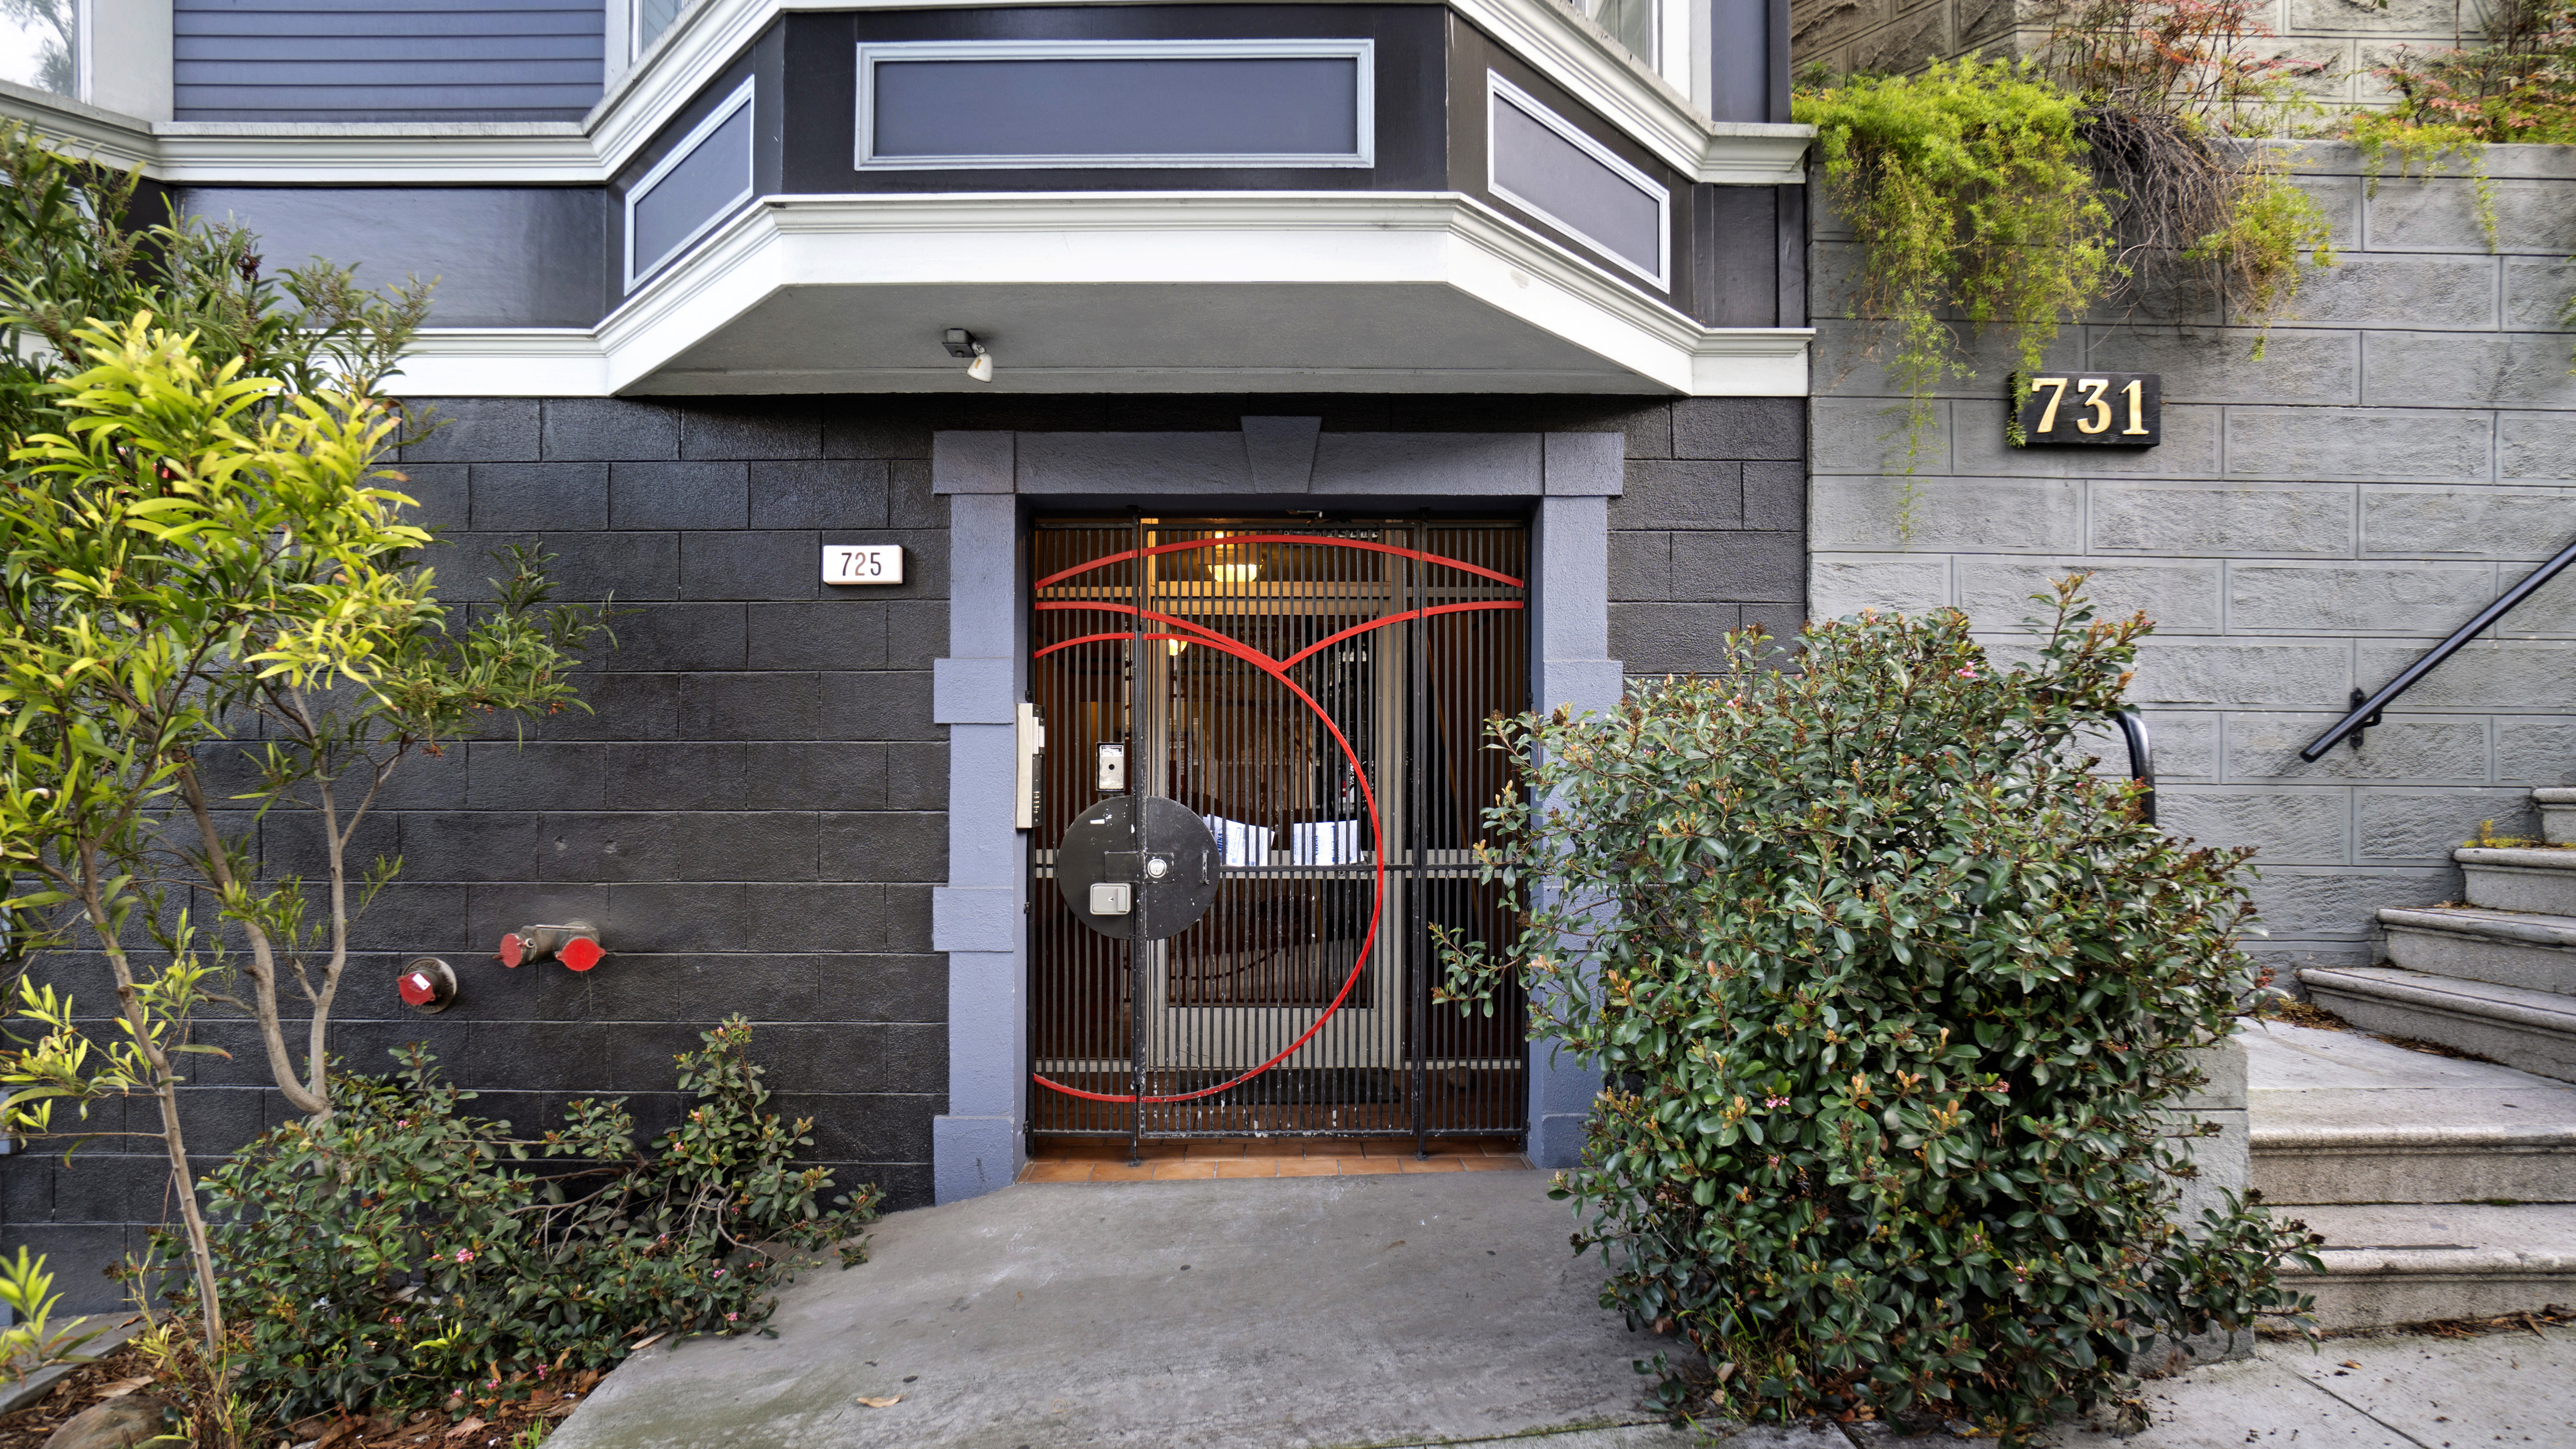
x,y
1892,998
195,547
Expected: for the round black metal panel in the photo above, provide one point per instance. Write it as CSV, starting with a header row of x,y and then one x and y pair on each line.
x,y
1162,854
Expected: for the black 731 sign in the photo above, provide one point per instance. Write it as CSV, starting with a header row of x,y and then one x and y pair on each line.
x,y
2102,409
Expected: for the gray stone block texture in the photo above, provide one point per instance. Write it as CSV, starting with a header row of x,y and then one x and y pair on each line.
x,y
1711,540
2395,458
754,806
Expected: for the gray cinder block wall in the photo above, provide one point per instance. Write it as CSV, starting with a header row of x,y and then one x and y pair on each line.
x,y
755,809
2404,451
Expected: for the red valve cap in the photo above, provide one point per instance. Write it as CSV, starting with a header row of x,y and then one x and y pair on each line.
x,y
514,949
417,989
581,953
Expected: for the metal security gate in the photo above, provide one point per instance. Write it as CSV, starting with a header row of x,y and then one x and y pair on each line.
x,y
1301,706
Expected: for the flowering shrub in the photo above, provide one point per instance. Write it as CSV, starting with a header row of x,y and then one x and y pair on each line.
x,y
1891,996
401,1252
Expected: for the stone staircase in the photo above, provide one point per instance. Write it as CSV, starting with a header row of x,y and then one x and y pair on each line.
x,y
2444,1188
2497,976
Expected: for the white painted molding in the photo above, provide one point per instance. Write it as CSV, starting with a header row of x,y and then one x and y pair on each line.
x,y
710,35
105,136
1325,239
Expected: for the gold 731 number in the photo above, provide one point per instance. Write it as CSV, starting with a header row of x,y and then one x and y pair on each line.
x,y
2093,413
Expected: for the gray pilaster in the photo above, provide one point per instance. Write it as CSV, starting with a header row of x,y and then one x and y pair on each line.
x,y
1571,666
979,916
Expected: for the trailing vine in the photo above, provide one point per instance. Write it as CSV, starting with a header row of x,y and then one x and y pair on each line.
x,y
2517,85
1966,185
2426,149
2169,88
2025,194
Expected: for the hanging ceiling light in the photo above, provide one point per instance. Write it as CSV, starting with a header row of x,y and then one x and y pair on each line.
x,y
1233,563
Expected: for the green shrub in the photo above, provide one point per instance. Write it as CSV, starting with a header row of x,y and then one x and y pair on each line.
x,y
1890,996
401,1251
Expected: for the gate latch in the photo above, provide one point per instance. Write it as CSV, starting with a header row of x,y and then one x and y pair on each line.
x,y
1138,868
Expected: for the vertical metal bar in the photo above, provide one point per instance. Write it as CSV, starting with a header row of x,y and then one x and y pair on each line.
x,y
1135,771
1029,941
1417,944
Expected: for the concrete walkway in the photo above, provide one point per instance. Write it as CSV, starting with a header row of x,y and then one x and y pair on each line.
x,y
1214,1315
1335,1313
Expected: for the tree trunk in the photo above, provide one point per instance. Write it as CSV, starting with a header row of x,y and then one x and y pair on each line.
x,y
165,1091
315,1100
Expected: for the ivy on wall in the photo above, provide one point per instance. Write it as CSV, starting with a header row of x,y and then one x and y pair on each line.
x,y
1967,187
2104,172
2518,85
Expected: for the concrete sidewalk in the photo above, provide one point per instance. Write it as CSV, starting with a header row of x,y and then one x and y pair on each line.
x,y
1334,1313
1216,1315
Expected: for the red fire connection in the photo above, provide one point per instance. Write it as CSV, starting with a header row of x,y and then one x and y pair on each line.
x,y
574,943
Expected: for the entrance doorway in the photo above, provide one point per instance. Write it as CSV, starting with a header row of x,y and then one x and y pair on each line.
x,y
1315,693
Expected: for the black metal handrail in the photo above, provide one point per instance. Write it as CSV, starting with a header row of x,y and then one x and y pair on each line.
x,y
2142,760
2365,711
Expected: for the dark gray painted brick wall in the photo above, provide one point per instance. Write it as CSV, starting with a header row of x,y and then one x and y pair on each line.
x,y
386,60
754,810
1711,534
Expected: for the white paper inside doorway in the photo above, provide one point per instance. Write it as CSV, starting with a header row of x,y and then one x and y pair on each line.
x,y
1243,844
1324,842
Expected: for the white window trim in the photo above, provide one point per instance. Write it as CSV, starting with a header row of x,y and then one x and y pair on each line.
x,y
84,50
1362,51
636,41
687,148
1499,92
1673,42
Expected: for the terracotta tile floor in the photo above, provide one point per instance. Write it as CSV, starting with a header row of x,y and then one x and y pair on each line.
x,y
1095,1161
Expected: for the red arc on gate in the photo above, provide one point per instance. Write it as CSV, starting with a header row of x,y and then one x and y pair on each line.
x,y
1278,670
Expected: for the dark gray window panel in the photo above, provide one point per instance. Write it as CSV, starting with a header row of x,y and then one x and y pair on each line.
x,y
1540,163
503,256
706,176
1116,103
384,60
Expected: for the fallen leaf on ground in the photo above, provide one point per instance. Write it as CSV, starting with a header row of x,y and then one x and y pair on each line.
x,y
2350,1363
468,1427
887,1403
648,1343
122,1387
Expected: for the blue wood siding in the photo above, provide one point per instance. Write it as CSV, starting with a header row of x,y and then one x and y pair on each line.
x,y
387,60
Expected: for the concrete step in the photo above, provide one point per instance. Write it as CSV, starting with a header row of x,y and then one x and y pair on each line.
x,y
2532,1030
2520,878
2509,948
2421,1262
2342,1118
2557,815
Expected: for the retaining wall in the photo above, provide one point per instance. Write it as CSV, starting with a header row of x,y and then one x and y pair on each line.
x,y
2403,451
2349,39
